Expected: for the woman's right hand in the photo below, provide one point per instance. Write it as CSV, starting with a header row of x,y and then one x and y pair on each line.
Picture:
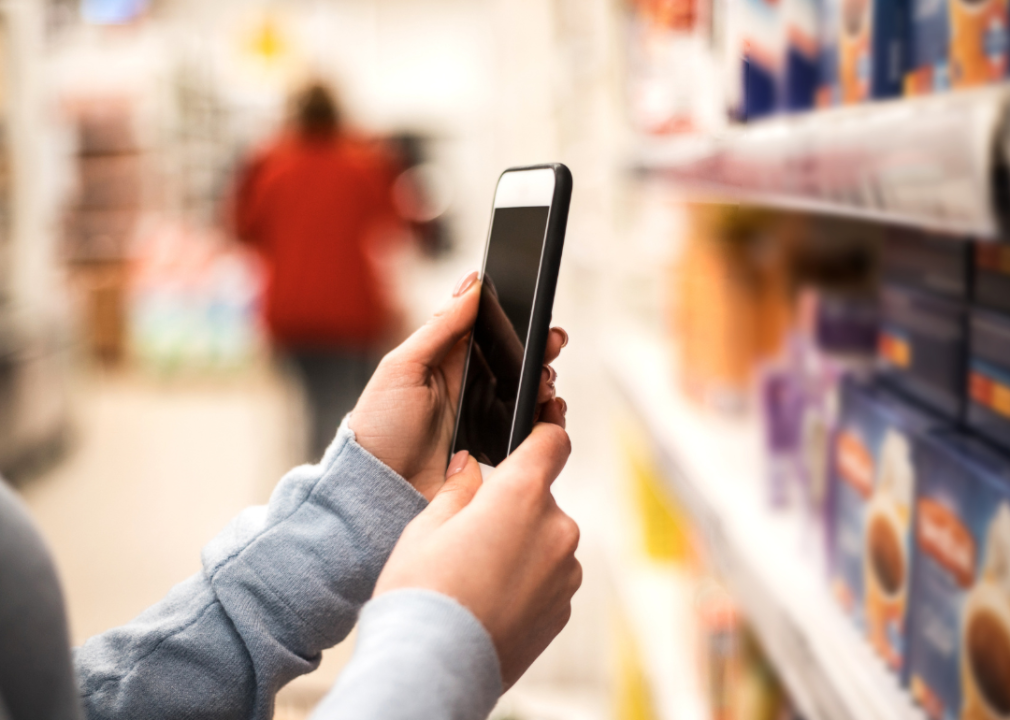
x,y
503,549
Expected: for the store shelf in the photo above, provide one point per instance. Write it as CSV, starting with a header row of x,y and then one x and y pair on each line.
x,y
927,162
714,467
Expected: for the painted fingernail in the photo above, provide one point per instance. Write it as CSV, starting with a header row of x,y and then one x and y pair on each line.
x,y
564,406
457,464
563,334
465,283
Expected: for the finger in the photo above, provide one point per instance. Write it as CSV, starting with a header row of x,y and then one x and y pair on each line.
x,y
433,341
462,481
557,338
554,411
547,390
540,457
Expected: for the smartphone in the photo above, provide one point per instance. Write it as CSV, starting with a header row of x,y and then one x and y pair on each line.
x,y
518,278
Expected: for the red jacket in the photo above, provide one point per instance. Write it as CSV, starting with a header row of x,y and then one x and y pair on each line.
x,y
314,209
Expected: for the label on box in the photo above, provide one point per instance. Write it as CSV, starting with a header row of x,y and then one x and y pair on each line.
x,y
959,616
990,387
894,347
874,479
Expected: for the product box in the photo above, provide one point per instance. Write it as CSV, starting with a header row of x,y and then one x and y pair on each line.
x,y
872,48
928,48
756,46
829,20
959,619
992,276
926,261
922,347
989,377
802,54
978,42
873,480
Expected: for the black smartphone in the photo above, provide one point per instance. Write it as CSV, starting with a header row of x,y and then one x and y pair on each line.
x,y
519,275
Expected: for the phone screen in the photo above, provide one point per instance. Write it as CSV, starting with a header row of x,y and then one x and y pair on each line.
x,y
494,367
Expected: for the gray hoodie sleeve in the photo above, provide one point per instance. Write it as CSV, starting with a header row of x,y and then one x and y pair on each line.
x,y
419,655
279,585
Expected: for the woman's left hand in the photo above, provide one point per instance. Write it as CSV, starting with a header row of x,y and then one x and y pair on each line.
x,y
407,413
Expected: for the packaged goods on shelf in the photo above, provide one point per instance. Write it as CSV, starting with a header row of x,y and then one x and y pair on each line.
x,y
992,276
989,377
802,54
755,53
672,69
871,48
923,348
829,91
730,304
841,350
934,263
978,42
959,617
928,65
873,480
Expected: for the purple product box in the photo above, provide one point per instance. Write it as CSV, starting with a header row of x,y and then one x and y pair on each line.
x,y
958,663
873,481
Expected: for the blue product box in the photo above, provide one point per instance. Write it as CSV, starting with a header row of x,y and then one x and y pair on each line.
x,y
922,347
872,48
756,36
802,54
873,481
959,619
989,377
939,264
928,50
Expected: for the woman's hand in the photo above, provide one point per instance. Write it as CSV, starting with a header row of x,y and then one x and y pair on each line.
x,y
503,549
407,413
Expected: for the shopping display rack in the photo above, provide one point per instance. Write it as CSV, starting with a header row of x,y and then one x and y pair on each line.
x,y
938,163
714,467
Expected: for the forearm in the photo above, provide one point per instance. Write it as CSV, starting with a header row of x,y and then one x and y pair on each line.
x,y
419,655
279,585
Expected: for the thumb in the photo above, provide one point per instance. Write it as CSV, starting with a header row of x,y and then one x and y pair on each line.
x,y
432,342
462,481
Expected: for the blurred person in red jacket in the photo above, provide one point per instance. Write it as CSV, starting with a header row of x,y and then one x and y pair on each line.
x,y
317,205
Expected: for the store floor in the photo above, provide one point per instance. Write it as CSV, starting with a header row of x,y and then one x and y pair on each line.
x,y
159,467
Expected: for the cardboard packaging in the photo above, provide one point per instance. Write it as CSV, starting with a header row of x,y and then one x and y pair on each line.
x,y
872,48
873,479
756,48
925,261
829,90
959,620
989,377
923,348
978,42
802,54
992,276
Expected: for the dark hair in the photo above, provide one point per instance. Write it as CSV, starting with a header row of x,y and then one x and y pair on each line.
x,y
316,112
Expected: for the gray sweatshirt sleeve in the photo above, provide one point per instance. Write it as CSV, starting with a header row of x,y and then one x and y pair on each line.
x,y
279,585
419,655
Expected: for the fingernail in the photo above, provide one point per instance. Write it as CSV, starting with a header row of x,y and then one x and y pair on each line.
x,y
564,335
464,283
545,376
564,406
553,378
457,464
